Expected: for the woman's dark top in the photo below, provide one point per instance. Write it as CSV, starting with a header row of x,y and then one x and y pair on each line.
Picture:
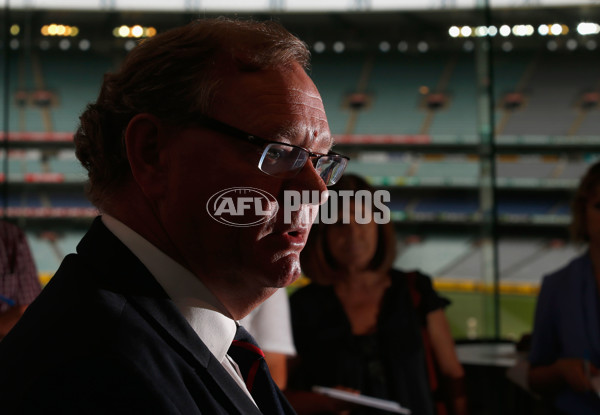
x,y
388,364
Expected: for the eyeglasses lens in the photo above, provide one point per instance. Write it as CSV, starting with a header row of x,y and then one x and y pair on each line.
x,y
331,168
281,160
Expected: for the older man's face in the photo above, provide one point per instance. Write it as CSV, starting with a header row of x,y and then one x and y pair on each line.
x,y
281,105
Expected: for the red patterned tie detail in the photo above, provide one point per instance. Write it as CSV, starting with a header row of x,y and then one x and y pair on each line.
x,y
254,366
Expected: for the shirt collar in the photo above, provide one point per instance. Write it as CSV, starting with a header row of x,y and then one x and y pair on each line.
x,y
202,310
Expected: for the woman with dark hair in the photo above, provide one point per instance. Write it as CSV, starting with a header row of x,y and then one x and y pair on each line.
x,y
565,345
364,326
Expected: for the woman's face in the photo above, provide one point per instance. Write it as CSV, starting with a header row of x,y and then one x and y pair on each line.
x,y
352,245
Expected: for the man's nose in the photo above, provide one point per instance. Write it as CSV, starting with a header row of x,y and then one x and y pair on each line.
x,y
309,179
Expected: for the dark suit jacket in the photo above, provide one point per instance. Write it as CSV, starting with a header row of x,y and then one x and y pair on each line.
x,y
104,338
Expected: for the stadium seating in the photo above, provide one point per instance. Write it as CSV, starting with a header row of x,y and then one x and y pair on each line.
x,y
394,83
336,76
433,254
84,72
46,258
395,88
459,116
556,83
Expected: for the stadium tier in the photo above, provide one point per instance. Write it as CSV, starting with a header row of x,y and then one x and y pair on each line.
x,y
416,100
552,90
455,258
336,77
393,85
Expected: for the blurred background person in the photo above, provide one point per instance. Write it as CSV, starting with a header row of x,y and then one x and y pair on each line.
x,y
19,283
565,348
363,325
270,325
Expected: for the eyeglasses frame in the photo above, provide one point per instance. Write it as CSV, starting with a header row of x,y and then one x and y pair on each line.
x,y
235,132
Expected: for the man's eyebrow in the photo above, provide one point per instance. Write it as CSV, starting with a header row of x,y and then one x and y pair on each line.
x,y
292,131
332,141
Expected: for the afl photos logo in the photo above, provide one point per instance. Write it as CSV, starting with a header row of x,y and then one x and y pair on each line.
x,y
242,206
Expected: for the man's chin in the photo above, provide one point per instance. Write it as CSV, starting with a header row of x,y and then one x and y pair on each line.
x,y
284,271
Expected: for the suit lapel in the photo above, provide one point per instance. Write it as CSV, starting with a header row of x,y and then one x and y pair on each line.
x,y
117,269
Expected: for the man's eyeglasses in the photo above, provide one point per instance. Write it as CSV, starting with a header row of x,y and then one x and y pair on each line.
x,y
285,160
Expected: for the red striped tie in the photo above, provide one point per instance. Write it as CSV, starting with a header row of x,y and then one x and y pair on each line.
x,y
250,359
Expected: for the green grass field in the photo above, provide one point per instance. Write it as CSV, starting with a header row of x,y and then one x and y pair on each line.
x,y
471,314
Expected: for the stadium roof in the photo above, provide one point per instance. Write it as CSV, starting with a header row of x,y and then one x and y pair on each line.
x,y
358,29
281,5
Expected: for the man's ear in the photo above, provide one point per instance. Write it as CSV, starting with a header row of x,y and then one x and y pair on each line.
x,y
143,140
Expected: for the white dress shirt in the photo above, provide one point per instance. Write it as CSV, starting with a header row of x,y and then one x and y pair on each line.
x,y
270,324
202,310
